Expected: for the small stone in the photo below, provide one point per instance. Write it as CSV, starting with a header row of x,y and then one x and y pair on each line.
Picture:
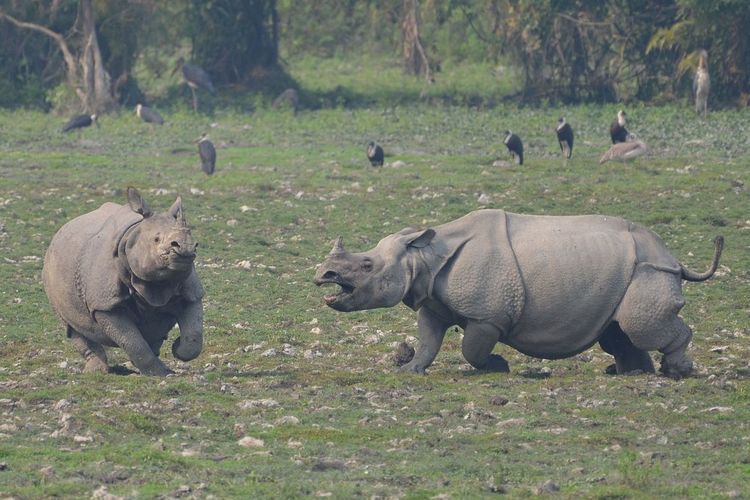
x,y
398,164
404,353
251,442
549,486
499,400
287,420
324,465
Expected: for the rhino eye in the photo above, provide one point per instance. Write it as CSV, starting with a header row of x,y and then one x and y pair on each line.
x,y
367,265
157,239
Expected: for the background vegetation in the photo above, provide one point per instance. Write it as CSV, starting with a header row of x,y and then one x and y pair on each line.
x,y
562,51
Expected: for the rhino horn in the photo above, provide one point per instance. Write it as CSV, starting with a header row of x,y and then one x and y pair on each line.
x,y
338,247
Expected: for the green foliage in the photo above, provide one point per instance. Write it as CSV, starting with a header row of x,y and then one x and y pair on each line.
x,y
719,27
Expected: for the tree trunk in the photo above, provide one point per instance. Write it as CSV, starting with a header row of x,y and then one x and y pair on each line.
x,y
96,80
86,74
416,61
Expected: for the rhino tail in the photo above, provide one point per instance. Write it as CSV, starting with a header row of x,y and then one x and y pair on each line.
x,y
691,276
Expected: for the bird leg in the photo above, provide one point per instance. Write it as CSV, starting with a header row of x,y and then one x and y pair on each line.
x,y
195,100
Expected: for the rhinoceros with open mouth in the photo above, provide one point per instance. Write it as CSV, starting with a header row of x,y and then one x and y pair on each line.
x,y
549,286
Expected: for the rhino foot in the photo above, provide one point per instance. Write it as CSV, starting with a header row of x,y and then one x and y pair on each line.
x,y
676,369
95,365
495,363
412,367
157,369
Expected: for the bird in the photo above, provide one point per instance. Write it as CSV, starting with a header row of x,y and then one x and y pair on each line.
x,y
617,130
701,84
148,115
288,98
196,78
207,152
80,121
375,154
515,145
565,137
625,151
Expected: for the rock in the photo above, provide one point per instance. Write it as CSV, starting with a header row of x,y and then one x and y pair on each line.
x,y
325,464
251,442
499,400
404,353
549,486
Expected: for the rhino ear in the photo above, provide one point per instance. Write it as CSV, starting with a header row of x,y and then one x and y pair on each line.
x,y
421,239
176,209
137,203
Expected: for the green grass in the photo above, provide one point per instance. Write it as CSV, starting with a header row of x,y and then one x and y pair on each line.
x,y
285,186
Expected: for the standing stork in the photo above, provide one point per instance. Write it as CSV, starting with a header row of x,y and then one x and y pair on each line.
x,y
565,137
207,152
701,84
196,78
515,146
375,154
617,130
79,122
148,115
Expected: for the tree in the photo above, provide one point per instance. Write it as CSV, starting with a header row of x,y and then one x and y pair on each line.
x,y
232,38
719,27
415,57
84,69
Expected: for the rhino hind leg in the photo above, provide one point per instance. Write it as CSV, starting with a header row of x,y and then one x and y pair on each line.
x,y
675,362
479,340
92,352
648,316
628,358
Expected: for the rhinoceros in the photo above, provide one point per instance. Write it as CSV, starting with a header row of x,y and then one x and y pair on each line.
x,y
123,276
548,286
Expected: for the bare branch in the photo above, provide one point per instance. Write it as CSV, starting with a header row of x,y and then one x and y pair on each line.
x,y
70,61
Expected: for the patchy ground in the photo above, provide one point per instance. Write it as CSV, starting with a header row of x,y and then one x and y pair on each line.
x,y
290,398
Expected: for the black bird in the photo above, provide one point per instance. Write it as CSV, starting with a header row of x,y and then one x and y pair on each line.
x,y
148,115
207,153
375,154
617,130
196,78
565,137
80,121
515,145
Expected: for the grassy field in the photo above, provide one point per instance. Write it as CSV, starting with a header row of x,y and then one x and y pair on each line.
x,y
290,398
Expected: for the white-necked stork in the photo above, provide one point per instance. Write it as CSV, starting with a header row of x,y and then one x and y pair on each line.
x,y
148,115
80,121
196,78
375,154
701,84
625,151
565,137
207,152
617,130
515,146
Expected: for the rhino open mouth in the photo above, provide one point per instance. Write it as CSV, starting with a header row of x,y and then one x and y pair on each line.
x,y
333,278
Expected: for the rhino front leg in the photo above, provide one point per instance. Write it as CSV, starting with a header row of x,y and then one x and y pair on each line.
x,y
479,340
126,334
431,333
92,353
190,342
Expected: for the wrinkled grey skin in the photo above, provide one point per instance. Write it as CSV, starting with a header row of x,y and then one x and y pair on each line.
x,y
550,287
123,276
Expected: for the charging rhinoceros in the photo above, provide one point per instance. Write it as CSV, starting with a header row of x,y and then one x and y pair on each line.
x,y
548,286
123,276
